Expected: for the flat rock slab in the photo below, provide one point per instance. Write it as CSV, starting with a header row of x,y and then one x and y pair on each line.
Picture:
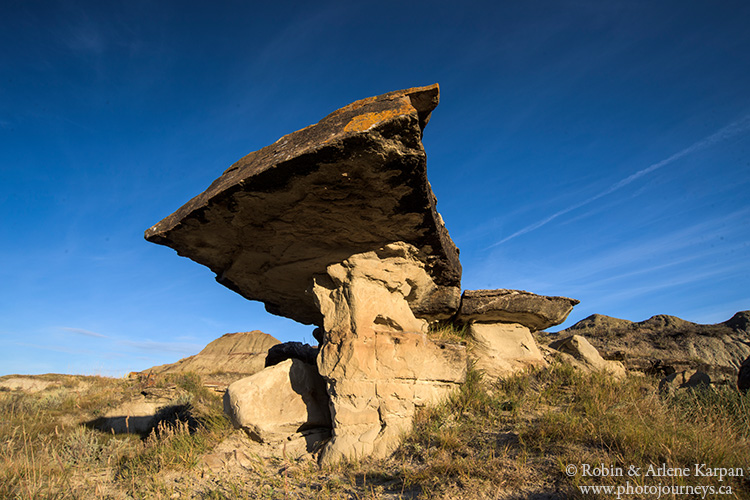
x,y
536,312
354,182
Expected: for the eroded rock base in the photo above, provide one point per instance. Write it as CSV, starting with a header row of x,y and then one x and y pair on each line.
x,y
376,384
376,358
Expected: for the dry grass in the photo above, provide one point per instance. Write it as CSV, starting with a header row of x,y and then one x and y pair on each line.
x,y
511,439
446,331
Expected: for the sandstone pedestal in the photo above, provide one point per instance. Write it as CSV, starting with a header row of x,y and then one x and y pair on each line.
x,y
378,362
377,382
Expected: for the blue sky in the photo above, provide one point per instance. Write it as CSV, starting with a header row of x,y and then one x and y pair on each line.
x,y
597,150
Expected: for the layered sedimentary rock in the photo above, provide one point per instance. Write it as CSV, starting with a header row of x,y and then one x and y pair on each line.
x,y
536,312
663,345
243,352
354,182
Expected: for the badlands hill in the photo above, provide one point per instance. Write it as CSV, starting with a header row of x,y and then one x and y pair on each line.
x,y
243,352
663,344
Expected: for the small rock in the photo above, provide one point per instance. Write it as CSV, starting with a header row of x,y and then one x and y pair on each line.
x,y
584,355
684,380
291,350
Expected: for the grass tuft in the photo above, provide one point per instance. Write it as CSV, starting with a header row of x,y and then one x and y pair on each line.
x,y
446,331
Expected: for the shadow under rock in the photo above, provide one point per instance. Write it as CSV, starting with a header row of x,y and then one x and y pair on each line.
x,y
143,425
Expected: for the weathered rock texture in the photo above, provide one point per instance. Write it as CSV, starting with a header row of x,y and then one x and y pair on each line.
x,y
378,362
535,312
577,351
500,323
284,402
502,349
243,352
663,345
354,182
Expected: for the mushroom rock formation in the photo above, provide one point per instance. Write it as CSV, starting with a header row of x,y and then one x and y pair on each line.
x,y
500,323
354,182
336,225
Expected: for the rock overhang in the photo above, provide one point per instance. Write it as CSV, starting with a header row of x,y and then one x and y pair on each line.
x,y
536,312
354,182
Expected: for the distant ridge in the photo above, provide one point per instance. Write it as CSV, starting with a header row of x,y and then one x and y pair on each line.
x,y
738,323
664,344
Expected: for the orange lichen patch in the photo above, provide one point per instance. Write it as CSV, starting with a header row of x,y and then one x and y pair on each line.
x,y
353,106
363,122
391,96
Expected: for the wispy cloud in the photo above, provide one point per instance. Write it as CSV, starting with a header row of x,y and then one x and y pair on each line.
x,y
84,34
723,134
81,331
593,271
57,348
673,249
150,345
